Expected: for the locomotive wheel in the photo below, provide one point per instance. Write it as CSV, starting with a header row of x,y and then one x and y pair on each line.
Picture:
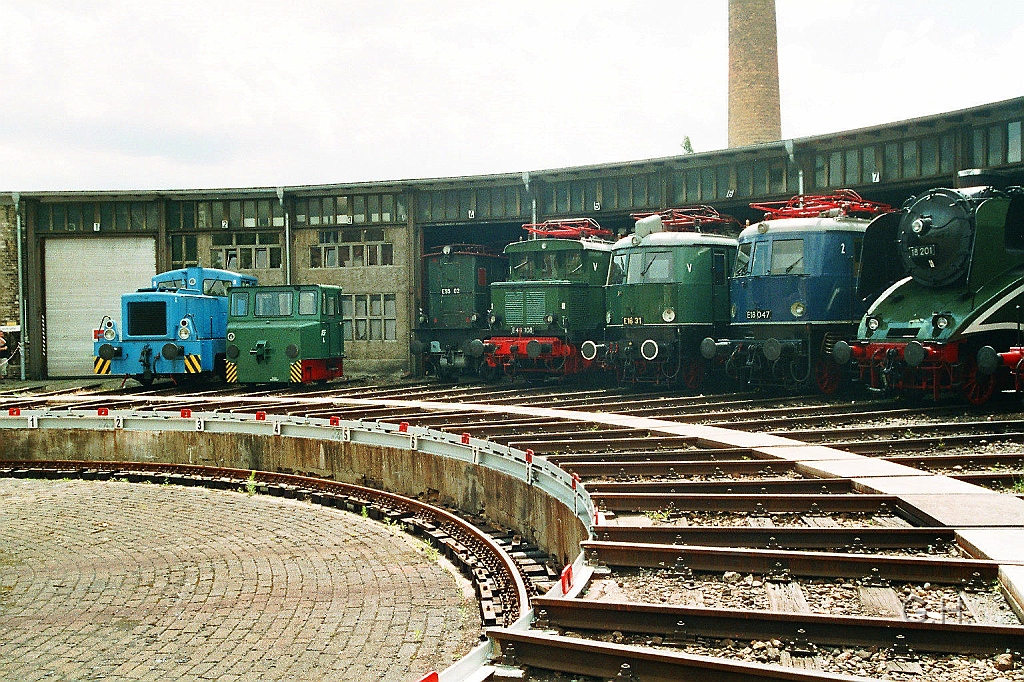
x,y
692,374
827,375
977,387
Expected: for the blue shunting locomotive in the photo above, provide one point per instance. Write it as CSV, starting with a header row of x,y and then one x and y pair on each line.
x,y
794,292
174,328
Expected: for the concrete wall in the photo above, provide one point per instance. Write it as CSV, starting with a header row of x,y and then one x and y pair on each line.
x,y
501,499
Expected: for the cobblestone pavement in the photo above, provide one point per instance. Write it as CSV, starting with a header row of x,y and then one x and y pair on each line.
x,y
123,581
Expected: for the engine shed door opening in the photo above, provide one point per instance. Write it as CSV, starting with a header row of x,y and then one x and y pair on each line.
x,y
84,281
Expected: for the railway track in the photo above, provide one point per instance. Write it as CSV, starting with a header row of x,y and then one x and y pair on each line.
x,y
745,558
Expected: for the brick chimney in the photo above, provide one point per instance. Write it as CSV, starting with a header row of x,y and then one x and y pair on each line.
x,y
754,109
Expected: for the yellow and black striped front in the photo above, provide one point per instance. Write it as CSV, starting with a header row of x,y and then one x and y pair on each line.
x,y
193,364
100,366
295,372
231,372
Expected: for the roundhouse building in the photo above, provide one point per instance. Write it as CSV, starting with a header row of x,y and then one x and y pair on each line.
x,y
81,250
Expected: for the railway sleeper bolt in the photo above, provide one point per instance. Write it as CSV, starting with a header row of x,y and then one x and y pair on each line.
x,y
874,579
626,674
541,622
801,645
975,584
508,655
779,574
901,650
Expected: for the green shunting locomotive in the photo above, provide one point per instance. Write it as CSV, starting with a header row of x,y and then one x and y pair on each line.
x,y
285,334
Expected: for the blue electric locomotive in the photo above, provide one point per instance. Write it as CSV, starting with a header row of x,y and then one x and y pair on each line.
x,y
794,292
174,328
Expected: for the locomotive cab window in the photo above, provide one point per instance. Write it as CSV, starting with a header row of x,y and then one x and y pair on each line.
x,y
240,304
521,267
307,303
743,259
617,271
650,266
216,287
273,304
788,257
171,284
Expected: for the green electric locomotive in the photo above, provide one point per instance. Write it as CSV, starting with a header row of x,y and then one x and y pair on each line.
x,y
285,334
667,290
552,302
957,259
457,300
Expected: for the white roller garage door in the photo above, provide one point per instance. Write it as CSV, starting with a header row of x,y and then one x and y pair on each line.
x,y
84,281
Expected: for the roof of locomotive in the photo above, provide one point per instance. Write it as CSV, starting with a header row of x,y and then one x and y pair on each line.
x,y
804,225
555,244
676,239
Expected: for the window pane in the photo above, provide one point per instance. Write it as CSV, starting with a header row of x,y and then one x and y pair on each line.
x,y
275,258
387,208
307,303
576,197
277,211
996,146
263,213
245,238
373,207
122,216
234,214
344,216
1013,143
315,207
361,305
777,177
327,210
262,258
357,255
639,190
348,330
359,209
892,162
245,258
390,305
376,329
373,235
820,171
361,327
371,254
344,258
331,256
203,215
707,183
692,187
273,303
835,169
911,159
870,167
562,197
723,179
387,254
929,156
390,330
743,180
347,306
249,213
240,304
852,167
787,257
978,148
625,193
654,190
376,306
315,257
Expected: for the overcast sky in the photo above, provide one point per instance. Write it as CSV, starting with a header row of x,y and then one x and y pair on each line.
x,y
121,94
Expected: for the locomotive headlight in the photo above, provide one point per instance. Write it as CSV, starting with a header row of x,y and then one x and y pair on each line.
x,y
941,320
921,225
608,317
873,323
492,319
474,317
231,336
549,318
668,314
184,333
109,334
798,309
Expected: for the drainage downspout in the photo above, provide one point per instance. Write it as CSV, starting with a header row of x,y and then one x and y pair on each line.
x,y
287,239
21,284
